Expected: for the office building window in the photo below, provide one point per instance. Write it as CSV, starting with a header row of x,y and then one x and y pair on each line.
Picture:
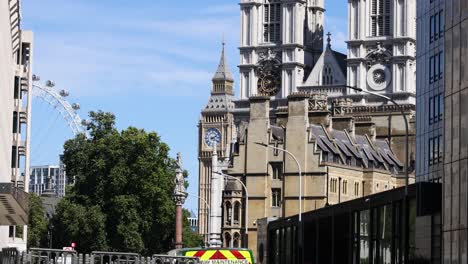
x,y
15,122
380,18
435,150
436,108
277,170
436,27
17,92
436,67
14,157
276,197
345,187
272,21
11,231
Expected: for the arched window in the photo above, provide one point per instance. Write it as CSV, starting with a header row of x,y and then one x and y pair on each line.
x,y
236,240
327,75
227,240
228,213
236,212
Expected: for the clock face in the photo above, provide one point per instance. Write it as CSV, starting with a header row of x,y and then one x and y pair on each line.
x,y
212,137
269,76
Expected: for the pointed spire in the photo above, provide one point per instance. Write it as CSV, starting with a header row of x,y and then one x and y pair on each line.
x,y
328,40
223,73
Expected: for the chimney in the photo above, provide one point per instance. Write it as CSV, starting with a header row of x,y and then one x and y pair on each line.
x,y
258,132
365,126
318,110
342,118
297,133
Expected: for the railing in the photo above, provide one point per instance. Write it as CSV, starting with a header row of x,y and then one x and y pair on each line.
x,y
55,256
161,259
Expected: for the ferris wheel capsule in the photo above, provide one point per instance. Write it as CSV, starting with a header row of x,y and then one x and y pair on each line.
x,y
64,93
36,78
50,83
76,106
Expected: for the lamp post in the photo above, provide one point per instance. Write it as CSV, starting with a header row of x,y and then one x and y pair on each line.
x,y
301,239
405,207
300,173
406,128
246,201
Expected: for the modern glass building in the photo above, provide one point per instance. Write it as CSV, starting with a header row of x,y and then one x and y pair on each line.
x,y
430,90
374,229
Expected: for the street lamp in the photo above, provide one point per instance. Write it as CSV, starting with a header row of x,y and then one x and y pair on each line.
x,y
300,173
406,127
405,213
206,204
301,237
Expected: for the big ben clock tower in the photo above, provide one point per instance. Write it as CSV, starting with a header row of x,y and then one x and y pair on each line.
x,y
216,128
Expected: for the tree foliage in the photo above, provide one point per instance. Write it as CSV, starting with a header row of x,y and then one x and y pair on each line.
x,y
38,223
190,237
122,196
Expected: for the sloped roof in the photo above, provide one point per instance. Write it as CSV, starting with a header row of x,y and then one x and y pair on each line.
x,y
338,142
223,73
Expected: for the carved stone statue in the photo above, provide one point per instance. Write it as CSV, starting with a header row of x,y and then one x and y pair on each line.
x,y
179,189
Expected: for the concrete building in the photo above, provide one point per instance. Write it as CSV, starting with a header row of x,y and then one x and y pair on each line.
x,y
39,176
455,179
16,53
193,221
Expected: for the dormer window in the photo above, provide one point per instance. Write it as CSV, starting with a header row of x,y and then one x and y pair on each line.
x,y
272,21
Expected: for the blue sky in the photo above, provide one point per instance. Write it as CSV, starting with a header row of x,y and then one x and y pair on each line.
x,y
150,62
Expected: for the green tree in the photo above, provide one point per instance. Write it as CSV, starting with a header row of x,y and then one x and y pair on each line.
x,y
124,183
38,222
83,225
190,237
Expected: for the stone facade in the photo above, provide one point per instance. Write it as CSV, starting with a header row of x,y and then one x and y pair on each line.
x,y
292,95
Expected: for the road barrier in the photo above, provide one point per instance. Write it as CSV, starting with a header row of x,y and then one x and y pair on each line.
x,y
56,256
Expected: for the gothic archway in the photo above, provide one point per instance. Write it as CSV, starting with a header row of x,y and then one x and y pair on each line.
x,y
236,240
227,239
228,212
237,209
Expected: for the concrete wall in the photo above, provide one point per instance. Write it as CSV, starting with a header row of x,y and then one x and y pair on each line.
x,y
6,92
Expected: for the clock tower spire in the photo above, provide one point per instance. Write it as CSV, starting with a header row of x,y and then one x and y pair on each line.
x,y
223,83
216,130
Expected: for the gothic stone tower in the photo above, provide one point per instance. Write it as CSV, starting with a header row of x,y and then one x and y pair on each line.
x,y
216,128
382,47
280,42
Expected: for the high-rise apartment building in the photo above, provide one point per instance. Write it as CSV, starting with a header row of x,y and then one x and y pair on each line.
x,y
455,177
16,52
40,176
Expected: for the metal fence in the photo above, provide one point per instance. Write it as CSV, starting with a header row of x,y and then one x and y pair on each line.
x,y
56,256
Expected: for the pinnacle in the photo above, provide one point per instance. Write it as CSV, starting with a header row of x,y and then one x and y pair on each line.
x,y
223,73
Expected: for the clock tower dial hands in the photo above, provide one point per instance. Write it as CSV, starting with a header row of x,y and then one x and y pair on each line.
x,y
212,137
